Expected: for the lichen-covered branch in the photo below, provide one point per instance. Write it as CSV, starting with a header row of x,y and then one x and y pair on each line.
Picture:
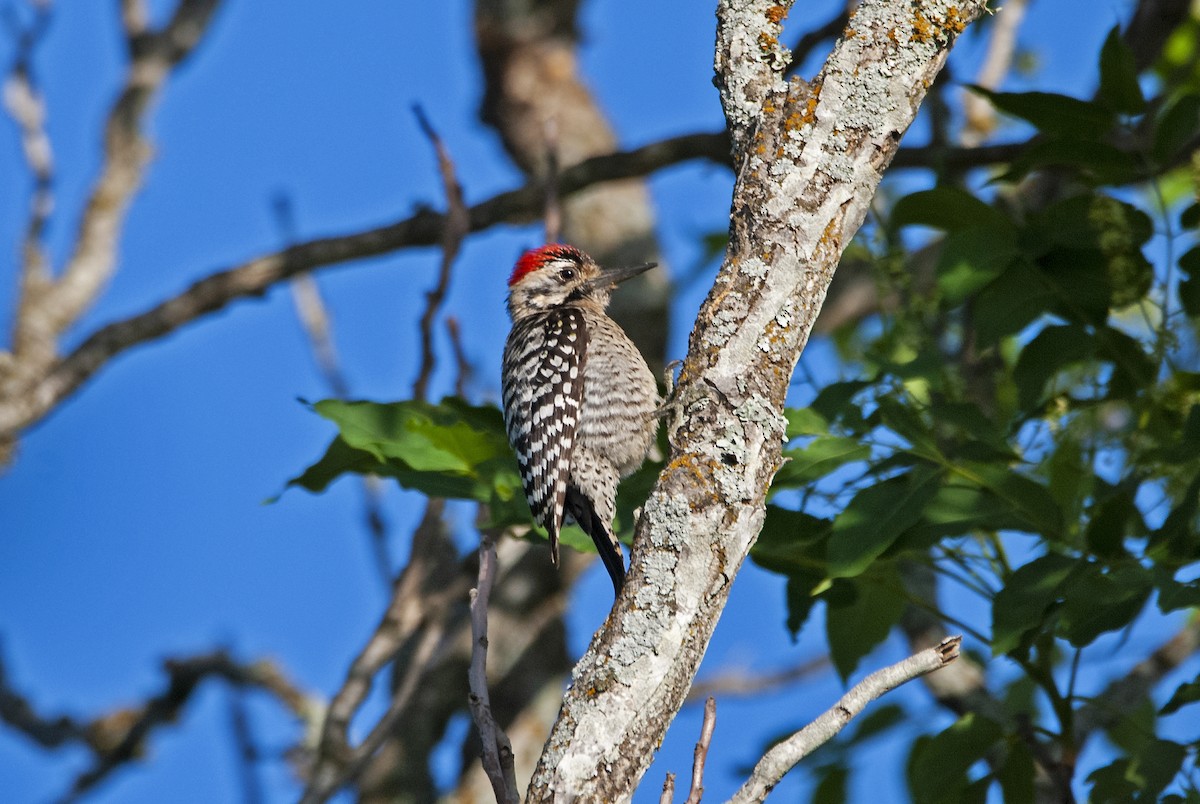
x,y
809,160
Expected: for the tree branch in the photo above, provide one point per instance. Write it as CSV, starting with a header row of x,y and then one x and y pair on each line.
x,y
784,756
497,750
21,405
809,160
700,755
48,306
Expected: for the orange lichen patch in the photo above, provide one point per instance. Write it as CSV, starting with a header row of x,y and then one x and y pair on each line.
x,y
954,21
827,236
767,43
927,29
851,33
924,29
776,14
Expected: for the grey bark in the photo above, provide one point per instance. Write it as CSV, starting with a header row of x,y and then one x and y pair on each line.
x,y
809,161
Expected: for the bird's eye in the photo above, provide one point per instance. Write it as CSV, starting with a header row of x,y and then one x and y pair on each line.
x,y
566,274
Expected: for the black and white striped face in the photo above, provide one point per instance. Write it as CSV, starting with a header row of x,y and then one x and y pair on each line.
x,y
553,276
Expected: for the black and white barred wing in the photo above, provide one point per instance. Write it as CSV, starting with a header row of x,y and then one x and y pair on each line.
x,y
543,391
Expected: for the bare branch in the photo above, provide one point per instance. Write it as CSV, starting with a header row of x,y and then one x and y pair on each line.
x,y
27,107
420,597
497,749
247,749
47,306
700,755
119,737
25,404
784,756
668,791
462,374
455,228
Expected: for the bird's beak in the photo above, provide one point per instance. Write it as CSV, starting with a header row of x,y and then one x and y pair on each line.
x,y
611,277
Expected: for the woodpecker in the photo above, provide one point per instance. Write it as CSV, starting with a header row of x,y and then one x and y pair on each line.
x,y
579,400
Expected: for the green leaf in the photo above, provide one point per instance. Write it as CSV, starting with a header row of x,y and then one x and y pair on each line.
x,y
1174,595
859,615
835,402
937,768
1097,162
1155,766
1016,775
818,459
1096,601
1057,348
340,458
451,450
804,422
875,518
1175,543
450,437
1112,783
1053,113
1106,531
905,419
1051,351
1189,286
832,787
949,209
960,509
1020,608
1118,75
1177,125
1186,693
1028,500
971,258
878,720
1012,301
791,541
1190,217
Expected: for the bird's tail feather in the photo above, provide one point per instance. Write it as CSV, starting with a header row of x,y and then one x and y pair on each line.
x,y
609,549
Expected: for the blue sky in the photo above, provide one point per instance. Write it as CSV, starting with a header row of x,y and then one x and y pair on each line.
x,y
132,526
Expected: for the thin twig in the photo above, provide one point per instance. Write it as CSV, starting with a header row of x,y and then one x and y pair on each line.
x,y
498,761
119,737
27,107
455,228
463,367
317,324
700,755
668,791
247,750
784,756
